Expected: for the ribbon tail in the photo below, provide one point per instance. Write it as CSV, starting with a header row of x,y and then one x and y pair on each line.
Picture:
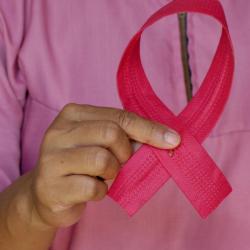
x,y
140,178
196,174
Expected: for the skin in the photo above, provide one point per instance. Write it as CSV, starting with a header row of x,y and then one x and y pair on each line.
x,y
82,144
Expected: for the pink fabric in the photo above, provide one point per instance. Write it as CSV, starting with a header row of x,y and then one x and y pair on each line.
x,y
190,166
68,51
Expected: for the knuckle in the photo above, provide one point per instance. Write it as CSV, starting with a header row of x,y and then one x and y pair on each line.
x,y
88,108
69,108
126,119
102,161
111,132
49,137
49,163
150,131
71,111
74,111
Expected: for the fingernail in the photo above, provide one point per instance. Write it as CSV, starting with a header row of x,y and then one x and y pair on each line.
x,y
172,138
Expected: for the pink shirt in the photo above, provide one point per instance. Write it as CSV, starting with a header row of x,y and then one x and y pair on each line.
x,y
68,51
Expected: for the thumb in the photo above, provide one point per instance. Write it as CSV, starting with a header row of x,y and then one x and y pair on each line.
x,y
149,132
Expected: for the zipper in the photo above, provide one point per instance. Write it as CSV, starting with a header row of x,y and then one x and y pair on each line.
x,y
182,19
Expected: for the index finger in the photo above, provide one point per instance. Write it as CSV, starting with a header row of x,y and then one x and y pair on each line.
x,y
135,126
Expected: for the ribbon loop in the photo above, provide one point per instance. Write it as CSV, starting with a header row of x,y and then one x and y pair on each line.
x,y
190,166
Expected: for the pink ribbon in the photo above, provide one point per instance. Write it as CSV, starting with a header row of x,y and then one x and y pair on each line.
x,y
190,166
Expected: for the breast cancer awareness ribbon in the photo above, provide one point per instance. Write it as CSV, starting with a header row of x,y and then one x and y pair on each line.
x,y
190,166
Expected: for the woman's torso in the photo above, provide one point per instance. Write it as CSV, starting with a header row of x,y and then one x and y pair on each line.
x,y
70,53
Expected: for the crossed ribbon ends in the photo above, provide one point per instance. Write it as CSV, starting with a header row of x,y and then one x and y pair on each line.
x,y
190,166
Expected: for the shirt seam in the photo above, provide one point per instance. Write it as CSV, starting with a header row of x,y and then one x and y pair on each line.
x,y
230,132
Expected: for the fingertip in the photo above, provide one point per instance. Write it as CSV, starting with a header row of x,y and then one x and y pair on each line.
x,y
172,139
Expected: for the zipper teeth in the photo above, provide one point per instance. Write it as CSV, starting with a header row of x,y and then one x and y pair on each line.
x,y
182,18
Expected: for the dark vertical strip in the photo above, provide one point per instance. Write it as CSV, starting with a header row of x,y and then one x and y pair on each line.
x,y
182,17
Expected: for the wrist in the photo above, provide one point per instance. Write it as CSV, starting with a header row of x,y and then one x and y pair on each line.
x,y
21,210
